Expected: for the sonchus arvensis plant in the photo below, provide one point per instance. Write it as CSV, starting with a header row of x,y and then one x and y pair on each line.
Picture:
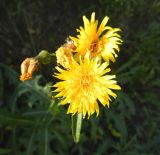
x,y
83,69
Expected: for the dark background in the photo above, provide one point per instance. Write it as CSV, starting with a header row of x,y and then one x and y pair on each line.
x,y
31,123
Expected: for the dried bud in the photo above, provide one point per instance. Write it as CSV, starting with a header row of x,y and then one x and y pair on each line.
x,y
64,56
28,67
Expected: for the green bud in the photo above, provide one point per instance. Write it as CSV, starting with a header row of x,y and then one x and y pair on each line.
x,y
44,57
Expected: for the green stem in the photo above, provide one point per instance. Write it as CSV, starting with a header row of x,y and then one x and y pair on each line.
x,y
53,54
76,130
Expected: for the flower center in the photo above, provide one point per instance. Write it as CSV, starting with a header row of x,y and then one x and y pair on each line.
x,y
85,81
94,48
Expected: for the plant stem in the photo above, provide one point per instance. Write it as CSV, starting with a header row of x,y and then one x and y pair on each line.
x,y
78,127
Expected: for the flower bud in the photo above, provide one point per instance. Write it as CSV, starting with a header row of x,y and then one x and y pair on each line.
x,y
44,57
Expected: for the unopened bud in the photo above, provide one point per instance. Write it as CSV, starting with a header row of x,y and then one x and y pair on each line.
x,y
44,57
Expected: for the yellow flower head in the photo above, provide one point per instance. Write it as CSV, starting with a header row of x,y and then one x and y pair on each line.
x,y
92,38
84,84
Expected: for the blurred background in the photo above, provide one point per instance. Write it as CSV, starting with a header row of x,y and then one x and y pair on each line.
x,y
31,123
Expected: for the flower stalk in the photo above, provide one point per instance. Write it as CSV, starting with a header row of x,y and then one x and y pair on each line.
x,y
76,127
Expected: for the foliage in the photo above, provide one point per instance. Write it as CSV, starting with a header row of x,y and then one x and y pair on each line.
x,y
31,123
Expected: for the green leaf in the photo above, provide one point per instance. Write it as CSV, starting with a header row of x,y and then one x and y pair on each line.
x,y
8,119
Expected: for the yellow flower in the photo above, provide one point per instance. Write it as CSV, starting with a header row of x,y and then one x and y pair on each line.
x,y
96,40
84,84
